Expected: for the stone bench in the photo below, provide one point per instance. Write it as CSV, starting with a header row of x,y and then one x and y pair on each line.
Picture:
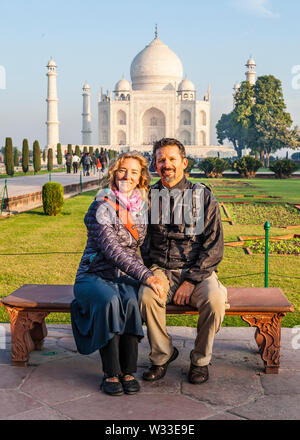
x,y
28,307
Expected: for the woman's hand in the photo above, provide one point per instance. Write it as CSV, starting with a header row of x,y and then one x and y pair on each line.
x,y
156,284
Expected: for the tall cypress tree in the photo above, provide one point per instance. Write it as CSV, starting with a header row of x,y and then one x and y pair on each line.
x,y
36,156
8,157
50,159
25,156
59,154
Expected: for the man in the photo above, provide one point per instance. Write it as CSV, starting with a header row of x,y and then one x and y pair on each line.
x,y
68,163
76,160
186,261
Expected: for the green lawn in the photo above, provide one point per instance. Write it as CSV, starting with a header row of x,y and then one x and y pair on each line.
x,y
47,250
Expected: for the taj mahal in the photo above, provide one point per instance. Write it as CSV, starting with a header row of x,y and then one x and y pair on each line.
x,y
157,102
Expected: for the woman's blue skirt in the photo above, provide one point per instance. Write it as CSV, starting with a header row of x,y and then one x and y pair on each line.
x,y
102,308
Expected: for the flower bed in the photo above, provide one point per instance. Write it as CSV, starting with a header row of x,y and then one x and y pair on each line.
x,y
278,215
278,247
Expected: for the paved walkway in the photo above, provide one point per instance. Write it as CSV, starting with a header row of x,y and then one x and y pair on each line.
x,y
18,186
60,384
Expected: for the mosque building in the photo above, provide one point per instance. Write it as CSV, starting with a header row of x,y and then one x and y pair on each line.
x,y
157,102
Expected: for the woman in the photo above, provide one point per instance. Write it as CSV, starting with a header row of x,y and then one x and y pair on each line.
x,y
105,313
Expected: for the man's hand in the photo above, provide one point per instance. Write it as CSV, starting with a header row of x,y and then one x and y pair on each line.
x,y
183,294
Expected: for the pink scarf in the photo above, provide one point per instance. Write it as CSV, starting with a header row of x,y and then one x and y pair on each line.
x,y
133,203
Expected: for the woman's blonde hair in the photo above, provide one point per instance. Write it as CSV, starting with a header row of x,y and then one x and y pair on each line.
x,y
144,182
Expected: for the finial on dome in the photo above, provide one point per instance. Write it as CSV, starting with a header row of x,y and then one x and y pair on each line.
x,y
156,31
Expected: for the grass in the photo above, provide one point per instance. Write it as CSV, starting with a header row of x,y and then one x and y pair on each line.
x,y
38,249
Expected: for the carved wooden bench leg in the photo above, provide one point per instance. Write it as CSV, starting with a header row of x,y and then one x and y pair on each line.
x,y
28,331
268,335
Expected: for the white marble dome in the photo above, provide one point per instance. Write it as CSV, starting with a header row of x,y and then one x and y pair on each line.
x,y
156,68
186,85
122,86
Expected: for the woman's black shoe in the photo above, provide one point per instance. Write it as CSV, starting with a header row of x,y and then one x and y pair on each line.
x,y
130,386
111,388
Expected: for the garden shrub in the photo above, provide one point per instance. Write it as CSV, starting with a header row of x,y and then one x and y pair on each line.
x,y
247,166
283,168
53,198
213,166
190,166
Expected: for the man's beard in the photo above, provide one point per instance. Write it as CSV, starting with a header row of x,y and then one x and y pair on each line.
x,y
168,178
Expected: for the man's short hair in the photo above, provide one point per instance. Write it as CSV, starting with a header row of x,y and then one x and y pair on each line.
x,y
165,142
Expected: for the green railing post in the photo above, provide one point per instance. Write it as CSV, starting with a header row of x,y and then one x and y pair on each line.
x,y
267,227
80,183
49,177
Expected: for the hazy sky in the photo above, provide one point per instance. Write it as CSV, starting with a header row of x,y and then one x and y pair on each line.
x,y
96,41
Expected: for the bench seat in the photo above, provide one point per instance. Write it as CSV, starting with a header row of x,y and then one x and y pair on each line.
x,y
28,307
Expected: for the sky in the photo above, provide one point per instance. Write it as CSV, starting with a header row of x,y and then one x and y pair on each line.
x,y
96,41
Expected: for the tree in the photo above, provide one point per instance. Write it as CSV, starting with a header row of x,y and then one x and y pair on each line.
x,y
36,157
25,156
59,154
271,122
50,159
77,151
235,126
227,130
44,154
16,156
8,157
259,120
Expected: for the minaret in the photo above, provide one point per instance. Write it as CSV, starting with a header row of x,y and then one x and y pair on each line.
x,y
86,116
250,73
52,108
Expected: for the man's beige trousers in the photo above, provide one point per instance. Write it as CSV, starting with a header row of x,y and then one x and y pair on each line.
x,y
209,297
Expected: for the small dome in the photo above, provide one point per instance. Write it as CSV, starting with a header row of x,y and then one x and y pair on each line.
x,y
236,86
186,85
122,86
86,86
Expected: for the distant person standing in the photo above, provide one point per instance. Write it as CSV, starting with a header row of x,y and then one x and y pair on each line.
x,y
94,163
76,160
87,162
68,163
